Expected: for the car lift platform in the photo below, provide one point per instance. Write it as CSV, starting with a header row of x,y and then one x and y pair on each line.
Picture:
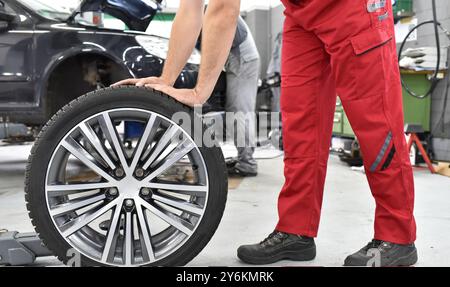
x,y
18,249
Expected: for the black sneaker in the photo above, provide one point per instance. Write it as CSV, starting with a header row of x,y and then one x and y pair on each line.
x,y
278,246
231,162
383,254
237,172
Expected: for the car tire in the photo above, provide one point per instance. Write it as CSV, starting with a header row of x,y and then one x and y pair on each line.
x,y
44,153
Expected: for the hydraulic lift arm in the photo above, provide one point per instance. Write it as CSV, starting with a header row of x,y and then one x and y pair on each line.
x,y
20,248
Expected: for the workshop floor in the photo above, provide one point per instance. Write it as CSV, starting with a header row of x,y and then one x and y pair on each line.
x,y
251,213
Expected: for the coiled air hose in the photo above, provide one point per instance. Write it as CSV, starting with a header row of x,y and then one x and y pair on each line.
x,y
434,80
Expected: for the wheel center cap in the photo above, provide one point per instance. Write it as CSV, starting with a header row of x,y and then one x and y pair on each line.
x,y
129,187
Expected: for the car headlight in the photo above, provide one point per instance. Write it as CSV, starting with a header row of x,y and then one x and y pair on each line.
x,y
159,47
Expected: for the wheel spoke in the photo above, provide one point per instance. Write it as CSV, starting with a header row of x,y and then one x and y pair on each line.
x,y
172,219
87,218
145,234
67,189
128,244
172,158
194,190
178,203
113,233
147,136
165,140
111,133
80,153
75,204
90,135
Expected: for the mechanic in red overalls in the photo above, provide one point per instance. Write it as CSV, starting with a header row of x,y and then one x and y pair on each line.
x,y
330,47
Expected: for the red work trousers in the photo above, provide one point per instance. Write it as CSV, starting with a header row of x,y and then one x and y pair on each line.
x,y
345,48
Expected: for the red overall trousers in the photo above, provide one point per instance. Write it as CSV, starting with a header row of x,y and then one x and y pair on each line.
x,y
345,48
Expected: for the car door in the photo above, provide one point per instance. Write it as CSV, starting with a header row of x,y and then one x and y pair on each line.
x,y
16,57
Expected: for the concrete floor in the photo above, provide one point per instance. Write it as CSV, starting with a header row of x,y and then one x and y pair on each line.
x,y
251,213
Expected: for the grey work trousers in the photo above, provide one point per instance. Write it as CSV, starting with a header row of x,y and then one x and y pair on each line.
x,y
242,86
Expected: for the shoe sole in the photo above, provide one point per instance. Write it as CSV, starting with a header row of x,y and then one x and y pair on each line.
x,y
242,174
407,260
404,261
305,255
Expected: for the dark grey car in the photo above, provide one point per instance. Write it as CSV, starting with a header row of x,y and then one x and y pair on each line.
x,y
49,56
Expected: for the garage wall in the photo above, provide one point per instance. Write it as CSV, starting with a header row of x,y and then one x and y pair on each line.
x,y
258,21
265,24
422,8
277,19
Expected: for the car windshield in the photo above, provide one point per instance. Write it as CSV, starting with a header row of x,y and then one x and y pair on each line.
x,y
51,9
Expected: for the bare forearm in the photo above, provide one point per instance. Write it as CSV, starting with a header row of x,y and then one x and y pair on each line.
x,y
185,31
219,29
219,24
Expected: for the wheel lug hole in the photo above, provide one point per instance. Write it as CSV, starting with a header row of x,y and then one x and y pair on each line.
x,y
119,172
129,203
113,191
139,173
146,192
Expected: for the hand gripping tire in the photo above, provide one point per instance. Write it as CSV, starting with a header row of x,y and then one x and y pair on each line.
x,y
155,202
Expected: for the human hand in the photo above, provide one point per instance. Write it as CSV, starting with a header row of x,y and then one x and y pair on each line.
x,y
141,82
189,97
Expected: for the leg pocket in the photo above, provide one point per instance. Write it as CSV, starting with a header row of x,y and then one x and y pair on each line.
x,y
369,40
367,64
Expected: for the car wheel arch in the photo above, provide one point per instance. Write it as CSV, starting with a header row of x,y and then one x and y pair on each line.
x,y
63,62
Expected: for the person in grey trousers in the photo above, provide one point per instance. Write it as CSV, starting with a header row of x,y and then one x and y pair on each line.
x,y
242,71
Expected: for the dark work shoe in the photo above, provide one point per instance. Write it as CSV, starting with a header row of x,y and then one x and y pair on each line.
x,y
237,172
383,254
238,169
278,246
231,162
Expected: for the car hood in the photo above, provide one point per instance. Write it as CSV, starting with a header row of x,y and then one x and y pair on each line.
x,y
136,14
